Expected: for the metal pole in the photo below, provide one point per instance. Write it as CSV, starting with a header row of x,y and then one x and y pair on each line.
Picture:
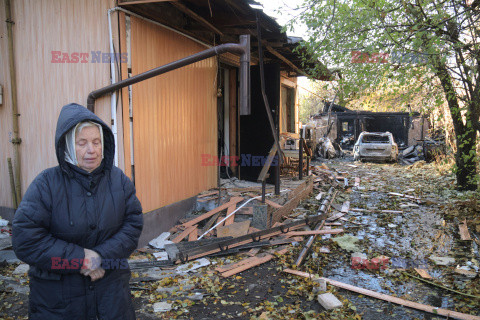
x,y
278,155
308,163
300,161
13,89
323,209
264,186
242,48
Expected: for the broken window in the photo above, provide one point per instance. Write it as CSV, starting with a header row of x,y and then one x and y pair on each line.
x,y
375,139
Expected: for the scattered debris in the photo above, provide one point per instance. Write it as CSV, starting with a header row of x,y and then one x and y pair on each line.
x,y
465,271
329,301
162,307
235,229
8,256
21,269
347,242
320,285
193,265
423,273
160,241
463,230
328,150
442,261
246,264
360,261
3,222
403,302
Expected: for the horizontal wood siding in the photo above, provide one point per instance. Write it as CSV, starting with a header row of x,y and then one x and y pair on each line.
x,y
174,118
43,26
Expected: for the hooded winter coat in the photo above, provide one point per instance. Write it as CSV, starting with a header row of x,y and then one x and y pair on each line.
x,y
67,209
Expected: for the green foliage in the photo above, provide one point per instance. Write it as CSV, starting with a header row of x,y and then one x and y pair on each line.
x,y
391,53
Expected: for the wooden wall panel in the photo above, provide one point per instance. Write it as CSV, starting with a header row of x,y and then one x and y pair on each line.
x,y
43,26
6,148
287,82
174,118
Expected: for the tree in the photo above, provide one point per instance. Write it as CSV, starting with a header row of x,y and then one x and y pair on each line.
x,y
313,102
414,44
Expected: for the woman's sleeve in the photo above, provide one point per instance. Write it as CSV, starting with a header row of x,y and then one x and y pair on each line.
x,y
31,239
125,241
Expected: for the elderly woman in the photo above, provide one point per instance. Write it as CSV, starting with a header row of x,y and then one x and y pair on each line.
x,y
77,224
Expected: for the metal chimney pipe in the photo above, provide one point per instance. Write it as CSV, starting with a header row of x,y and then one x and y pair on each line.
x,y
242,48
245,106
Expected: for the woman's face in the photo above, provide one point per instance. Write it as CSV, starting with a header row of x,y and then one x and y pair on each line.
x,y
88,148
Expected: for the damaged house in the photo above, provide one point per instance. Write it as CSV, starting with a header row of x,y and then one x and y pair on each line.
x,y
170,128
346,125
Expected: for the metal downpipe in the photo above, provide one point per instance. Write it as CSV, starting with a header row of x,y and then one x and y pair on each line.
x,y
242,48
15,115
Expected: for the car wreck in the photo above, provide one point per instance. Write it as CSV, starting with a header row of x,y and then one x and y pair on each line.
x,y
375,146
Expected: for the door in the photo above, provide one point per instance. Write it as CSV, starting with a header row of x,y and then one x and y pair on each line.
x,y
256,138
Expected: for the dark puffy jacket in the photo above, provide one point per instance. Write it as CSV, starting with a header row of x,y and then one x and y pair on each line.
x,y
65,210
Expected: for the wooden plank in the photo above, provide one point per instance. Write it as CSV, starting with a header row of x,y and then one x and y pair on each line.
x,y
193,236
208,199
267,201
271,155
255,262
207,194
237,264
279,250
288,62
250,189
253,229
210,222
334,224
404,196
313,232
423,273
245,211
210,213
392,211
174,229
273,204
230,219
319,196
253,252
463,230
346,220
300,193
183,234
196,16
195,253
236,229
385,297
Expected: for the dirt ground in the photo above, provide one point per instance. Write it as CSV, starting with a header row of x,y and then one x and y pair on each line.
x,y
410,236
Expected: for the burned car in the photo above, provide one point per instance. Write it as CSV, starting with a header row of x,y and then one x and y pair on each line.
x,y
375,146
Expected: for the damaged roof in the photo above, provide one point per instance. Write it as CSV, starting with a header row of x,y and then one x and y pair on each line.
x,y
223,21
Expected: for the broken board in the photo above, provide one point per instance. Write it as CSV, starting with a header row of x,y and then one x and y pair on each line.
x,y
463,230
235,229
